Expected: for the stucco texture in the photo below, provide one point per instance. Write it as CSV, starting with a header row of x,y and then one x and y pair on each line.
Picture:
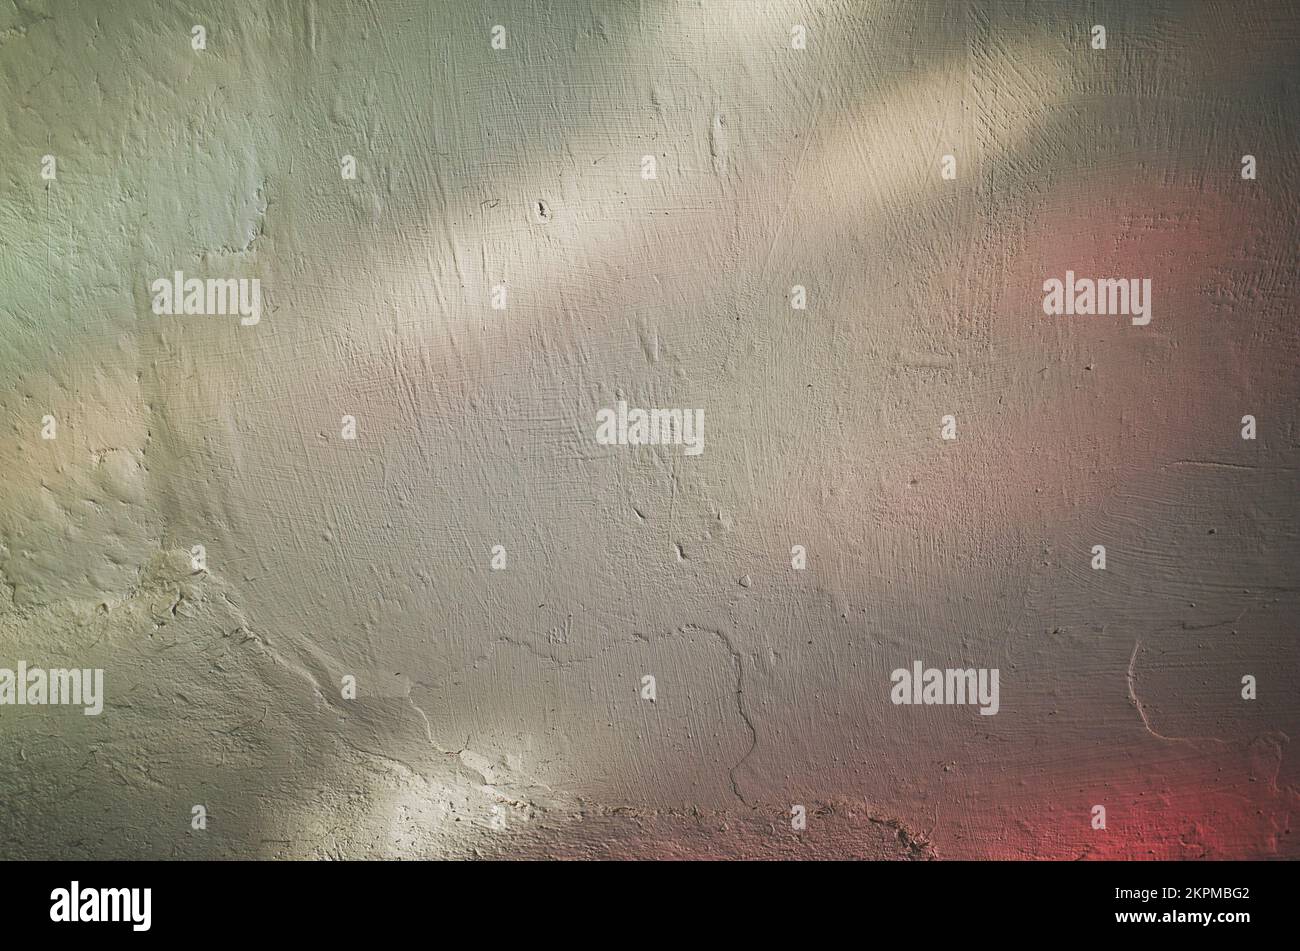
x,y
500,711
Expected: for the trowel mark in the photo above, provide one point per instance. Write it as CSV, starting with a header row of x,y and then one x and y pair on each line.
x,y
311,25
1146,721
649,338
1133,699
718,144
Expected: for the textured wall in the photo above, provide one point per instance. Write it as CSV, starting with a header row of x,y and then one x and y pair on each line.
x,y
501,712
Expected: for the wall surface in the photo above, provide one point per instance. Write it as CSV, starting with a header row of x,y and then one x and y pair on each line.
x,y
500,704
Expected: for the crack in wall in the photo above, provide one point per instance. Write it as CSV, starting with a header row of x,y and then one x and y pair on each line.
x,y
740,707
